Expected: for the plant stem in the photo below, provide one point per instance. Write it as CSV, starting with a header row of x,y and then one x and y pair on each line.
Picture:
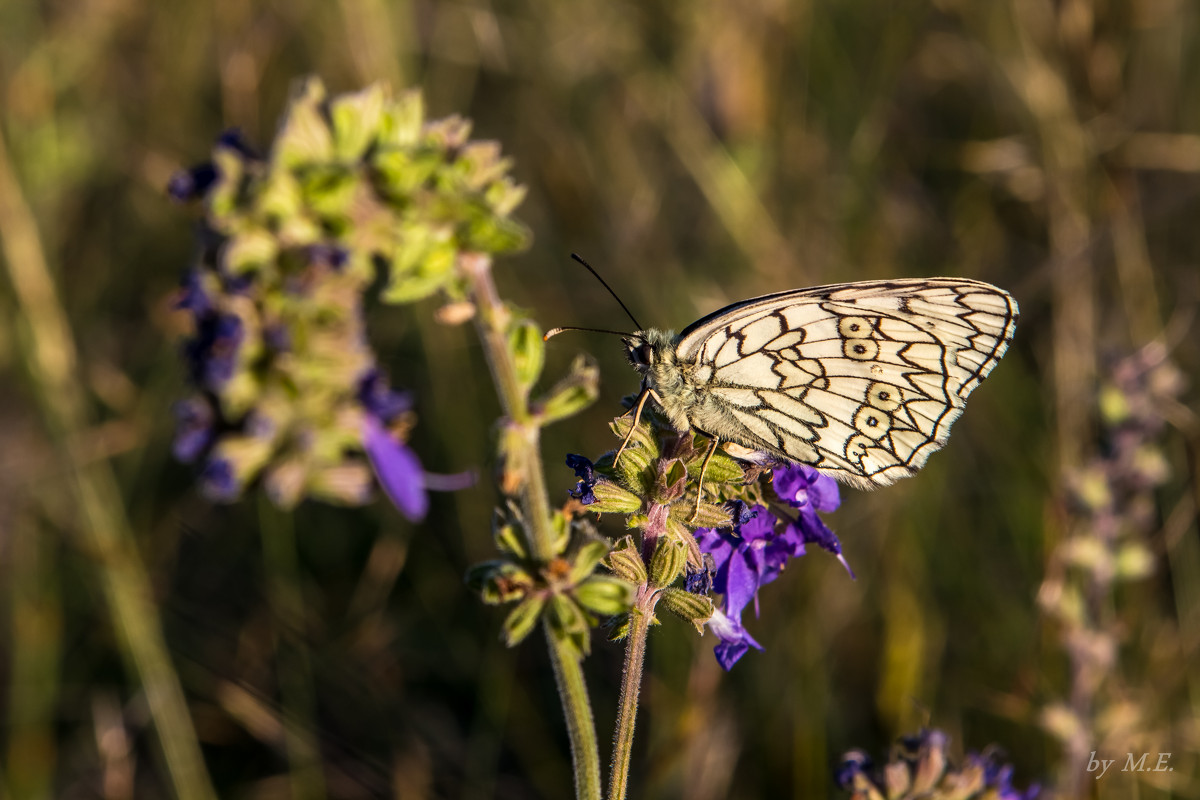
x,y
523,461
631,684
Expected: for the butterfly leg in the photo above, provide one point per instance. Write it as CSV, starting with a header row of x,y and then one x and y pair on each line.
x,y
637,417
712,448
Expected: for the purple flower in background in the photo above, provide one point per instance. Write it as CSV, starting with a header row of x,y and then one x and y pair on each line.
x,y
194,422
190,184
586,473
397,468
192,296
380,400
329,255
218,481
213,352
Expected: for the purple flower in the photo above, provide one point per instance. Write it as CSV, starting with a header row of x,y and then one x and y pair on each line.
x,y
586,473
218,481
214,350
192,296
755,548
736,641
190,184
379,399
397,468
193,428
804,488
329,255
235,140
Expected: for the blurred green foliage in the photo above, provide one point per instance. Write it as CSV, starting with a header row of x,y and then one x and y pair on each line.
x,y
698,154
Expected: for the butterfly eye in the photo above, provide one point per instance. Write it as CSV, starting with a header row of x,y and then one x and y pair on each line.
x,y
642,355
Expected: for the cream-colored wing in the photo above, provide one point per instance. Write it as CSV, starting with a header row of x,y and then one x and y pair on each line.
x,y
860,380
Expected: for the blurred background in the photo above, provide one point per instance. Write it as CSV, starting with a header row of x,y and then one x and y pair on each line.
x,y
697,154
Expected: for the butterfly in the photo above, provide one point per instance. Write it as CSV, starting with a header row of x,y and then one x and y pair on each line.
x,y
861,381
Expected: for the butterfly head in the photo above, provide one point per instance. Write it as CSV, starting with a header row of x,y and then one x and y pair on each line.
x,y
647,349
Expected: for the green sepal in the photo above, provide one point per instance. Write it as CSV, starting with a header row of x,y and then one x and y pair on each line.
x,y
422,263
642,439
250,251
508,539
673,482
695,608
304,137
528,351
499,581
605,595
521,620
577,390
356,119
560,524
670,556
612,499
722,468
709,515
225,196
585,561
571,623
618,628
625,561
483,232
402,120
278,197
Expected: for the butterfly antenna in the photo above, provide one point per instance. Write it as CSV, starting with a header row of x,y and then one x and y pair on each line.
x,y
557,331
610,291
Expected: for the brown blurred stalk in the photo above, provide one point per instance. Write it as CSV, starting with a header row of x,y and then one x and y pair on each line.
x,y
49,355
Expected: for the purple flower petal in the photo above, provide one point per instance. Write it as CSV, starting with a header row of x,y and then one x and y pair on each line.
x,y
585,472
735,640
802,486
194,421
380,400
397,468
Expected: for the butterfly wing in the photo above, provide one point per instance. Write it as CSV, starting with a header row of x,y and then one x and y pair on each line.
x,y
860,380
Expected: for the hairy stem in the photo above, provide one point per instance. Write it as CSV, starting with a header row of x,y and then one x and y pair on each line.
x,y
524,463
631,684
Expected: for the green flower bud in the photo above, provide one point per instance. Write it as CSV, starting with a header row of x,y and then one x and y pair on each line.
x,y
612,499
695,608
499,581
605,595
670,556
625,561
